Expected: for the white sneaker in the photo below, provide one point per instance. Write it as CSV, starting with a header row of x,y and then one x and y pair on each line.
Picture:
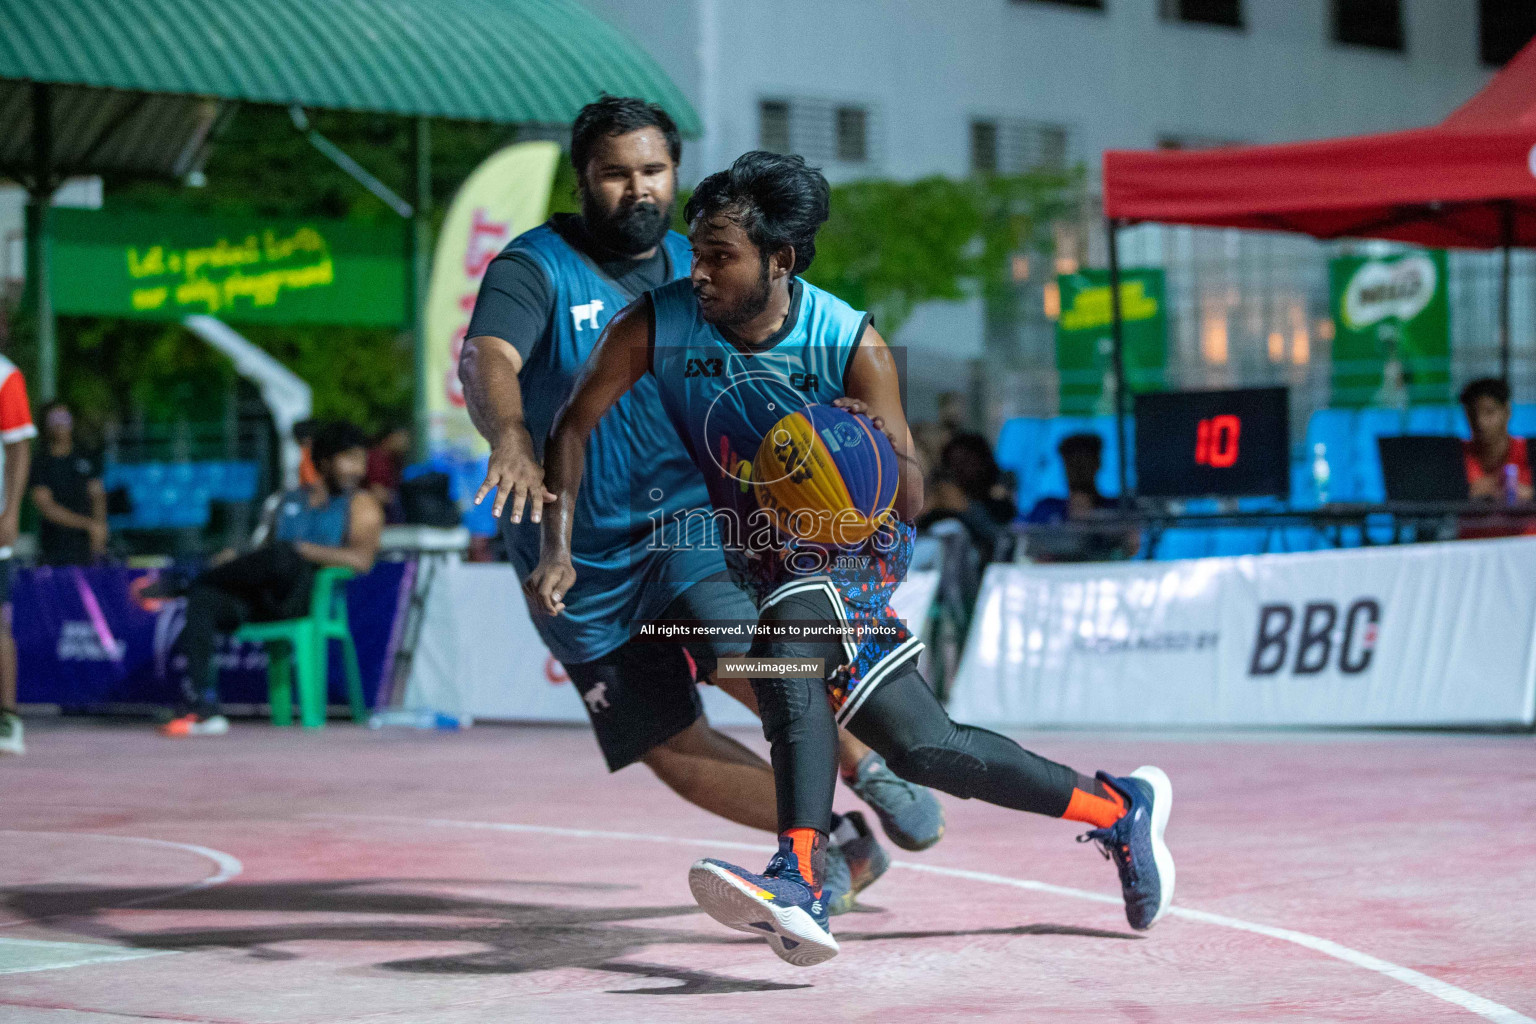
x,y
191,725
10,736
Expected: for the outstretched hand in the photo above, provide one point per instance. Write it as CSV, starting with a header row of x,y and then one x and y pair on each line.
x,y
512,472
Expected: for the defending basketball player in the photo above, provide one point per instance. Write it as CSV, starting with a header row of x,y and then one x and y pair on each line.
x,y
733,351
540,310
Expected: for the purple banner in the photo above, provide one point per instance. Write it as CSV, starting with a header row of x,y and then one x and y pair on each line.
x,y
84,640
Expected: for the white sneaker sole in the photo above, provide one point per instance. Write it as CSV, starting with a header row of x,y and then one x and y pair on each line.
x,y
1162,804
794,935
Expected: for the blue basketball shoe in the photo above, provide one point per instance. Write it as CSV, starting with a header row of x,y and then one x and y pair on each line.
x,y
776,904
1135,843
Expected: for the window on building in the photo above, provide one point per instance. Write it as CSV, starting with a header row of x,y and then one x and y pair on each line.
x,y
1205,12
1505,26
1015,145
822,132
984,147
852,135
1092,5
1374,23
773,126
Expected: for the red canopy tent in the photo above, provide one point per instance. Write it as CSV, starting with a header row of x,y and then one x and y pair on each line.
x,y
1469,181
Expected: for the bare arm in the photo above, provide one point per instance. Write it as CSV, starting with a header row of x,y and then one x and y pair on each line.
x,y
874,389
614,366
365,521
488,369
18,463
55,513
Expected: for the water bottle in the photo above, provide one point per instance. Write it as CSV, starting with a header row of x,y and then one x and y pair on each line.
x,y
1511,483
1320,472
412,718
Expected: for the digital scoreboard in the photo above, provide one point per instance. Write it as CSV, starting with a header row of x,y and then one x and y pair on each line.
x,y
1228,444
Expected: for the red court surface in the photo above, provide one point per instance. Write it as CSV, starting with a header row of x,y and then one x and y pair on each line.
x,y
501,875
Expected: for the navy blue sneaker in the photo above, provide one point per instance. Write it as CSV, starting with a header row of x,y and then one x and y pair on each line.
x,y
910,814
776,904
1135,844
855,859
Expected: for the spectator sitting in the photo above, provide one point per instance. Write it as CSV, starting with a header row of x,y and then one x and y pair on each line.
x,y
386,464
968,487
1082,455
333,522
66,487
1491,456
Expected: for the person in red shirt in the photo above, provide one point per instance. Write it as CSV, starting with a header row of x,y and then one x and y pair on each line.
x,y
16,433
1498,466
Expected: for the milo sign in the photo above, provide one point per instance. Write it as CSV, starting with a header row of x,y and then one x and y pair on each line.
x,y
1391,343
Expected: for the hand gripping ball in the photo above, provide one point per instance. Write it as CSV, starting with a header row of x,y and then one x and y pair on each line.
x,y
826,475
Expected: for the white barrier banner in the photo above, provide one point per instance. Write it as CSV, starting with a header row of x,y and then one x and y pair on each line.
x,y
480,657
1424,634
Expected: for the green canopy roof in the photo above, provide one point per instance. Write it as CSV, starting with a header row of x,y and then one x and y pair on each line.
x,y
483,60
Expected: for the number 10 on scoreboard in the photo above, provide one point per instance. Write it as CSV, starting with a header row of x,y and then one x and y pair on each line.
x,y
1216,441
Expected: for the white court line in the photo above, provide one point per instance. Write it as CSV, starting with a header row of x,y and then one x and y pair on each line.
x,y
1452,994
228,867
77,954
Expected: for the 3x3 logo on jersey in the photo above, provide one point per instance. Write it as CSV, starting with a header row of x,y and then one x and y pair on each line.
x,y
704,367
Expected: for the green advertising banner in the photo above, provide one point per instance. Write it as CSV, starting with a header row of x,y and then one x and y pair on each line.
x,y
256,271
1085,346
1391,329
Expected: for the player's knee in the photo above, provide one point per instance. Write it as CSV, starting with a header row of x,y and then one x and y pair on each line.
x,y
779,703
942,767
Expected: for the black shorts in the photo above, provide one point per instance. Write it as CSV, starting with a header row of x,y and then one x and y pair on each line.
x,y
643,693
6,569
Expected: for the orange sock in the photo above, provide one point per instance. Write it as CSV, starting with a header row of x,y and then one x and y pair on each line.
x,y
808,845
1098,805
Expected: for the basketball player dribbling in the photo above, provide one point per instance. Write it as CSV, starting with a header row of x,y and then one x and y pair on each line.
x,y
541,307
731,349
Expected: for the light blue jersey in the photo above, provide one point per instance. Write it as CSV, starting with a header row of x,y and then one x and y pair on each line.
x,y
637,470
724,400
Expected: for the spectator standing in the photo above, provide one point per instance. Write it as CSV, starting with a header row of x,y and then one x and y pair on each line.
x,y
66,487
16,433
1498,466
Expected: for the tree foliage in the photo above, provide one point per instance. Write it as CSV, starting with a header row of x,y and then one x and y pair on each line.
x,y
891,245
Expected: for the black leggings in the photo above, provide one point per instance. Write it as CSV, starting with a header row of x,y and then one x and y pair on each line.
x,y
270,583
901,720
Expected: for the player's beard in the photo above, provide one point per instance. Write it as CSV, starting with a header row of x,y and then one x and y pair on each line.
x,y
748,308
629,230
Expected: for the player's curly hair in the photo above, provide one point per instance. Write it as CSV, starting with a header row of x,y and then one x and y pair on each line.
x,y
619,115
776,198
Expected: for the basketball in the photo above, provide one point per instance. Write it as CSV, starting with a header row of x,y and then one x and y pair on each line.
x,y
826,475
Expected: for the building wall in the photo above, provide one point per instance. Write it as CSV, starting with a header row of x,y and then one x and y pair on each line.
x,y
1120,78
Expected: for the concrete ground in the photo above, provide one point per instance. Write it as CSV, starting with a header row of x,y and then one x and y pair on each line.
x,y
501,874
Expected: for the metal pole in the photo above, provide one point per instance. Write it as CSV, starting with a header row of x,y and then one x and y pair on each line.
x,y
1117,335
39,205
1507,232
421,269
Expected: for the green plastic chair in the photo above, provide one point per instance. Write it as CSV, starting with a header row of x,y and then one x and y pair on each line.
x,y
298,651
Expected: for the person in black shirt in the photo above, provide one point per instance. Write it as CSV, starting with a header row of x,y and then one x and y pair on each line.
x,y
67,490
